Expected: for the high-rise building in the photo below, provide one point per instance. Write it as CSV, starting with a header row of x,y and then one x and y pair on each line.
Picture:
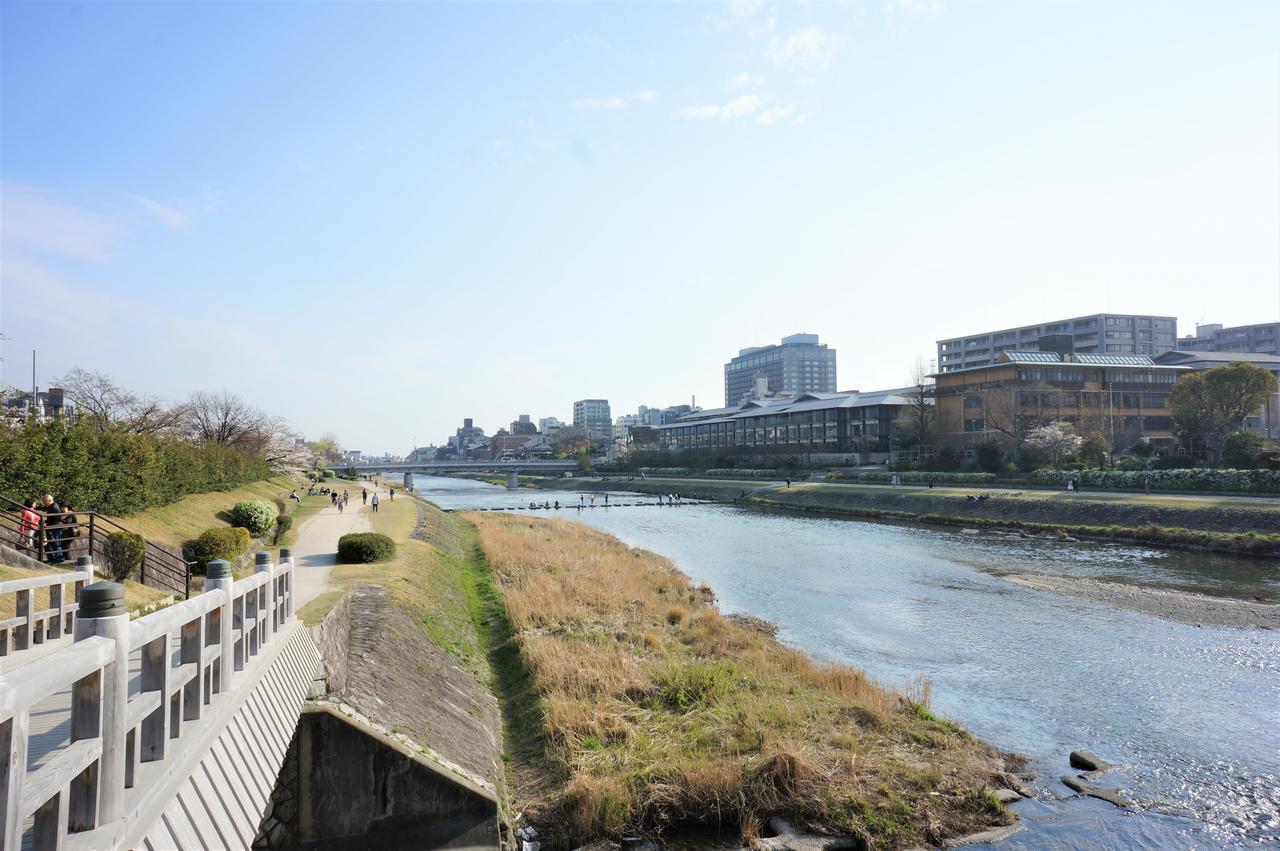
x,y
799,364
550,425
523,425
1099,333
593,415
1262,339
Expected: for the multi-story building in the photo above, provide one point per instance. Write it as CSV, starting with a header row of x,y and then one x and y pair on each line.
x,y
523,425
550,425
1124,398
1263,339
799,364
468,437
1099,333
804,424
51,403
594,417
1266,421
623,424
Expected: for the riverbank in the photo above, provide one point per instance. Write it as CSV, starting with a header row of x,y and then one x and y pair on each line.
x,y
647,710
1216,524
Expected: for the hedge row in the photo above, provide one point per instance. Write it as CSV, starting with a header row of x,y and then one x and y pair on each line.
x,y
938,478
665,471
115,473
365,548
743,473
1241,481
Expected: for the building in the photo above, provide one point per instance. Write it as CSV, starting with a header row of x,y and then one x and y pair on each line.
x,y
1099,334
51,403
594,417
467,438
797,365
550,425
523,425
1266,422
1125,398
1263,339
809,423
624,423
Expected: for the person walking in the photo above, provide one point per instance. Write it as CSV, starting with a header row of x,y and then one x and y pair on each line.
x,y
375,503
393,494
70,531
342,504
364,495
1146,485
52,530
606,500
29,523
333,497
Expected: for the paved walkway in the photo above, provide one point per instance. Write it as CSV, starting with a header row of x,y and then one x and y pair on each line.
x,y
316,551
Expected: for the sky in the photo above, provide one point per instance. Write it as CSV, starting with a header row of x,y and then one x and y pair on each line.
x,y
376,219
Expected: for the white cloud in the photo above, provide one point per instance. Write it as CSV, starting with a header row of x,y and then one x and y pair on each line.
x,y
38,222
807,48
168,215
775,114
745,80
646,96
605,103
739,107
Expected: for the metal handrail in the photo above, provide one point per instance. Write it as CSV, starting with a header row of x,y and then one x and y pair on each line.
x,y
160,568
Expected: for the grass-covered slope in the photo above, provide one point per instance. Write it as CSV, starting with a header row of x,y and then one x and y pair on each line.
x,y
654,710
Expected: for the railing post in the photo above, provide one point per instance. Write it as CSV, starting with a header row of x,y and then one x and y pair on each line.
x,y
286,558
219,578
102,613
267,599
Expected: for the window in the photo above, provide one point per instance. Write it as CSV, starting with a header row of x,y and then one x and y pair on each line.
x,y
1159,423
975,425
1153,400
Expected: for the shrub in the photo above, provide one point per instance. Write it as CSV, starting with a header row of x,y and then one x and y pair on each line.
x,y
243,538
1240,449
256,515
365,548
124,554
989,456
920,477
665,471
743,472
219,542
1239,481
283,523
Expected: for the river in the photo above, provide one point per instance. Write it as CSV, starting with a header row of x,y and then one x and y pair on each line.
x,y
1192,713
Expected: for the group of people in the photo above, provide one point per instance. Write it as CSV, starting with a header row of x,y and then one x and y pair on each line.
x,y
339,499
48,528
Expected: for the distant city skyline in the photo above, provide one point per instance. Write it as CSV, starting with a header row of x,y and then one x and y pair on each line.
x,y
377,219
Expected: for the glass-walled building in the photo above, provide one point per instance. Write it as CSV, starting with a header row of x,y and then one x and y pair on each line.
x,y
811,422
799,364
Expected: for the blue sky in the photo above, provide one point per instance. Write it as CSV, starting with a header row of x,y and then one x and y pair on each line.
x,y
377,219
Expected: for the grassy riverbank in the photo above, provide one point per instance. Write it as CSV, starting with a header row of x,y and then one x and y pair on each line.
x,y
1221,524
645,709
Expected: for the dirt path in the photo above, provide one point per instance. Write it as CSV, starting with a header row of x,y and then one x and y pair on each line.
x,y
316,550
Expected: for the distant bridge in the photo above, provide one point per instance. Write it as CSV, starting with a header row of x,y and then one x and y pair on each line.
x,y
541,467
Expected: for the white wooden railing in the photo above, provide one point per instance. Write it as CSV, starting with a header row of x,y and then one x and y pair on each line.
x,y
30,627
128,746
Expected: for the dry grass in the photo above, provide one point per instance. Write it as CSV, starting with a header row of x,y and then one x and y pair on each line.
x,y
185,519
657,711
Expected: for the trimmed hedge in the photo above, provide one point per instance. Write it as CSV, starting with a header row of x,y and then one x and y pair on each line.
x,y
918,476
283,524
745,473
665,471
124,554
256,515
243,538
1239,481
365,548
219,542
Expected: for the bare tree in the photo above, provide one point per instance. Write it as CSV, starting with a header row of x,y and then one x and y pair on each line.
x,y
109,406
227,419
917,424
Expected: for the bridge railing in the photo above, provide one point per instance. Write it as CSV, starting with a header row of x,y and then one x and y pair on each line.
x,y
43,608
135,694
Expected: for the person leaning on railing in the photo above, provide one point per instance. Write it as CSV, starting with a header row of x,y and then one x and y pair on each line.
x,y
29,524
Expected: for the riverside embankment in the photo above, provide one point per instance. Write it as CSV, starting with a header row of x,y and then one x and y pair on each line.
x,y
1243,525
1181,707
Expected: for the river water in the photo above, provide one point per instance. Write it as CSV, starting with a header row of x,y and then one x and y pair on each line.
x,y
1192,713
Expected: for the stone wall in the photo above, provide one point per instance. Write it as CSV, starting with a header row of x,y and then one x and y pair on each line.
x,y
333,638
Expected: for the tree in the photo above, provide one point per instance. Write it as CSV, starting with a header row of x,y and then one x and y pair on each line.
x,y
107,405
225,418
1093,451
988,456
1240,450
327,448
1208,405
1057,440
917,423
643,435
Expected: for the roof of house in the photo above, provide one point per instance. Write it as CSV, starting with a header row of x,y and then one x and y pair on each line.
x,y
794,404
1180,356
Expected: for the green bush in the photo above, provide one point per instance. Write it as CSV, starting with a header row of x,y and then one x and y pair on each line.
x,y
365,548
219,542
256,515
124,554
283,523
743,472
940,478
1241,449
1237,481
665,471
243,538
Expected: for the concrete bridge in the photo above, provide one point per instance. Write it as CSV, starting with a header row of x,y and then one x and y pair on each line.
x,y
510,468
163,732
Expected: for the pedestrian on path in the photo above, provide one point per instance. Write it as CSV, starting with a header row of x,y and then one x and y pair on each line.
x,y
393,494
375,503
52,529
364,495
333,497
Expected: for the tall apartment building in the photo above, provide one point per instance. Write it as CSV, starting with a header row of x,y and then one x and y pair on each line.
x,y
799,364
1099,333
1262,339
594,416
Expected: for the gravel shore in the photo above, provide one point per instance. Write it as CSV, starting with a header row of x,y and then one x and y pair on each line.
x,y
1182,606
